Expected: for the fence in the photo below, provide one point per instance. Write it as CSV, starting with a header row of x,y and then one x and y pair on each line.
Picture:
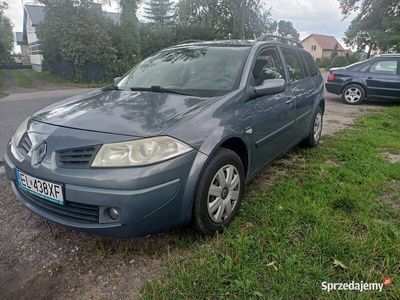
x,y
89,72
11,65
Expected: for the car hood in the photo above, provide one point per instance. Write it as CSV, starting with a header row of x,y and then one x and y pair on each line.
x,y
121,112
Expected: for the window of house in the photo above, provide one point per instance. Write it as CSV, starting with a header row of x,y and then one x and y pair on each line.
x,y
293,64
313,48
267,66
388,67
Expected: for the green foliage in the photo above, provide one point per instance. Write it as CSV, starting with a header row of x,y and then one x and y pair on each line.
x,y
6,34
286,29
339,61
224,18
377,25
324,62
159,12
76,33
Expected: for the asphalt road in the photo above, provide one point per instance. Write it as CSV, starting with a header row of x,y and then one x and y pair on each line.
x,y
16,107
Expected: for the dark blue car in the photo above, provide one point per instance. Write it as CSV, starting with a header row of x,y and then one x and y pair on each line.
x,y
374,79
173,141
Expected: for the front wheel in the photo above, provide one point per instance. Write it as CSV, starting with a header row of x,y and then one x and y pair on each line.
x,y
219,192
314,136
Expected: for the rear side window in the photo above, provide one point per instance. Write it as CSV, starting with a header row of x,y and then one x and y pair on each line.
x,y
312,67
293,64
388,67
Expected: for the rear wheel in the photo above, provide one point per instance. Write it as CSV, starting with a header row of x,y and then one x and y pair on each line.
x,y
314,136
353,94
219,193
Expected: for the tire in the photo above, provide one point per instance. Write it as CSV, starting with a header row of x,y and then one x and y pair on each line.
x,y
314,136
210,211
353,94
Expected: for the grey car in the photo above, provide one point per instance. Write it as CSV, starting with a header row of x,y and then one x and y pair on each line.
x,y
172,142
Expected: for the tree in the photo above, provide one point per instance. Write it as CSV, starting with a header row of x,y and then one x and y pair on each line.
x,y
376,26
241,19
286,29
75,32
129,30
6,34
159,12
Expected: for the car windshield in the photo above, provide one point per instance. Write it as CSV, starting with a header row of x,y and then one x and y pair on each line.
x,y
199,71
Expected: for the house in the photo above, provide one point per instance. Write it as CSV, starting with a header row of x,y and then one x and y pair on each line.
x,y
33,16
25,59
320,45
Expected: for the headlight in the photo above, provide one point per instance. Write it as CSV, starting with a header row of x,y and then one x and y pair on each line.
x,y
139,152
20,132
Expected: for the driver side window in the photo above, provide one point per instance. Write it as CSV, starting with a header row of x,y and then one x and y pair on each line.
x,y
267,66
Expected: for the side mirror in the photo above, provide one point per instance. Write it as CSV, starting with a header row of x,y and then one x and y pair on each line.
x,y
270,87
116,79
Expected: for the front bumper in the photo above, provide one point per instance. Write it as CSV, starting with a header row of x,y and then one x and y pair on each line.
x,y
150,199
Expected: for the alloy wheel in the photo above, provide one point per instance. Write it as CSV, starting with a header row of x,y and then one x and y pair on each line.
x,y
223,194
353,95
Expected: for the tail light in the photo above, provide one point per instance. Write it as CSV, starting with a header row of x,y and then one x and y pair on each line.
x,y
331,76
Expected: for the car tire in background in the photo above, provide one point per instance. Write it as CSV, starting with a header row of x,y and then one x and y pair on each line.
x,y
353,94
314,136
219,192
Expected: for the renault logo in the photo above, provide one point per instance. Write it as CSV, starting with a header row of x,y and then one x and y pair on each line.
x,y
39,153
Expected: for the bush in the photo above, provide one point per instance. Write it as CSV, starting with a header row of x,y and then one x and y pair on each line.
x,y
339,61
324,62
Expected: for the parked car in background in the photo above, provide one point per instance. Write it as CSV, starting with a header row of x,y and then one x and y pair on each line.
x,y
375,79
172,142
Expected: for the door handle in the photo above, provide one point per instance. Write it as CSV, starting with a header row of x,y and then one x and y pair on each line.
x,y
290,100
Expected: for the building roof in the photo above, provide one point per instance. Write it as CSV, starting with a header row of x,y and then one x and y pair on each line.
x,y
327,42
19,38
36,13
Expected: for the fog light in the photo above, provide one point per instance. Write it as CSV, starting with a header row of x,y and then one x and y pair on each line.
x,y
113,213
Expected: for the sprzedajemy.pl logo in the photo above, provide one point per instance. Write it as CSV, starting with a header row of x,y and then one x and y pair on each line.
x,y
356,286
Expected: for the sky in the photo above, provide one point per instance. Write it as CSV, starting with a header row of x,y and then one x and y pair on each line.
x,y
307,16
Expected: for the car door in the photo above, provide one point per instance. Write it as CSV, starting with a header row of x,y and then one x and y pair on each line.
x,y
272,116
302,88
382,79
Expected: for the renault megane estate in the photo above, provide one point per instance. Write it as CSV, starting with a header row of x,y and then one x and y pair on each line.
x,y
170,143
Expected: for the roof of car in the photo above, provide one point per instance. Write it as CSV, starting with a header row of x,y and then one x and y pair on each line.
x,y
388,55
229,43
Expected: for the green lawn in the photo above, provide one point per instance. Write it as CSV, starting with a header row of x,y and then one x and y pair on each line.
x,y
45,75
333,216
22,79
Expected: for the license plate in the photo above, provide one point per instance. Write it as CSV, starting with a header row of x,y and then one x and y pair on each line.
x,y
44,189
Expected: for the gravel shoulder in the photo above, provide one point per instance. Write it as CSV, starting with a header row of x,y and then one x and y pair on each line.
x,y
39,259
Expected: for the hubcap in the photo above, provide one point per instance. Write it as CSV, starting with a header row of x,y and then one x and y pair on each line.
x,y
353,95
317,127
223,194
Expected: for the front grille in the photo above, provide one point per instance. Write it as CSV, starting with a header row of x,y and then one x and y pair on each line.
x,y
72,211
77,157
25,144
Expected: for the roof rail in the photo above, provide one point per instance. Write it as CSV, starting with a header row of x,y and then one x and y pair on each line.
x,y
189,41
284,40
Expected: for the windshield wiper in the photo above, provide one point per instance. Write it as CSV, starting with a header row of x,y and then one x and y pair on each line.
x,y
111,87
159,89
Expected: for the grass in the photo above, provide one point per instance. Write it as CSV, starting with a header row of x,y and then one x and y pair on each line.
x,y
323,220
47,76
22,79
